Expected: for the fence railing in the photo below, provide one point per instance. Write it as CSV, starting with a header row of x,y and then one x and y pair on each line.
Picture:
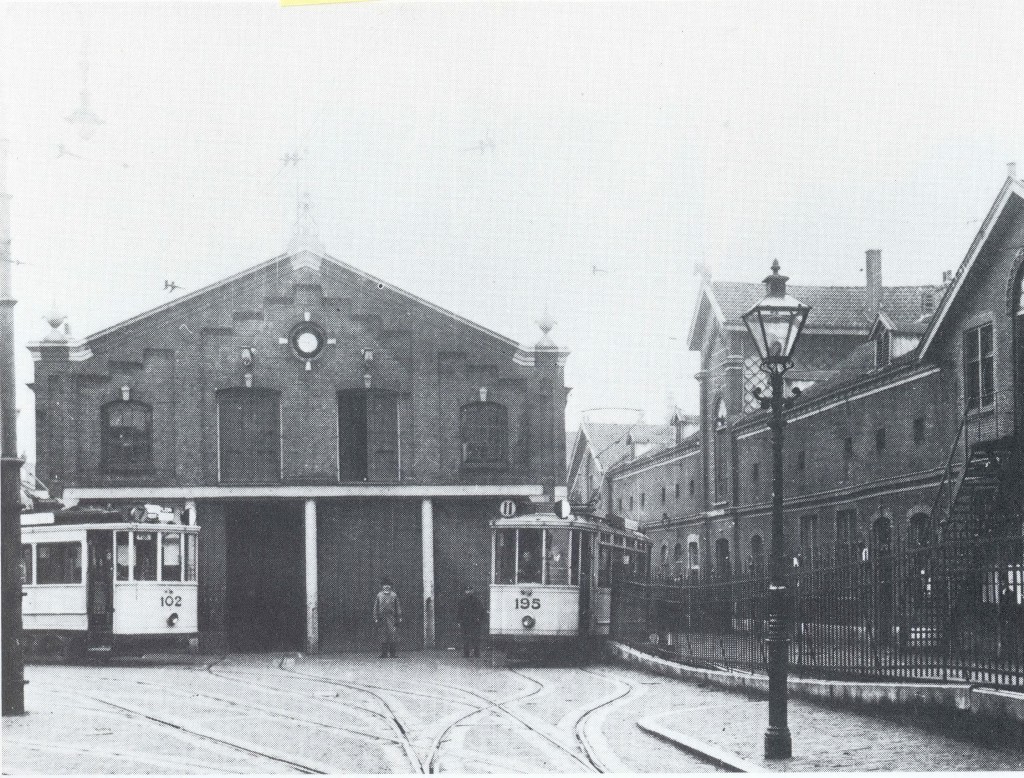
x,y
948,611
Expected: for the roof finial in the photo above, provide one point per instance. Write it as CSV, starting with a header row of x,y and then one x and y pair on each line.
x,y
59,329
83,116
546,323
306,236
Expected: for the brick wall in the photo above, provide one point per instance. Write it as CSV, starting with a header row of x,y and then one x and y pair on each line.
x,y
175,359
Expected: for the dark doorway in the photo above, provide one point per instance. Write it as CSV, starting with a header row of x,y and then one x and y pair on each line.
x,y
266,577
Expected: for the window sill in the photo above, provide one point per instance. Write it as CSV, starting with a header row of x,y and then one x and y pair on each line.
x,y
979,413
141,473
485,466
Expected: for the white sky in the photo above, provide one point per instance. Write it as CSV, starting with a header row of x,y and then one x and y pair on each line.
x,y
488,156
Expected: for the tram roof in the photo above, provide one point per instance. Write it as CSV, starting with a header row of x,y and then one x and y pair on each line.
x,y
545,520
28,529
534,520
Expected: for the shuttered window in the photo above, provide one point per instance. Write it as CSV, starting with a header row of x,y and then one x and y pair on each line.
x,y
368,447
484,434
126,437
250,435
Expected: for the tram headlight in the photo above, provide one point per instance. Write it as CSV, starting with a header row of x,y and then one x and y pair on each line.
x,y
172,619
529,622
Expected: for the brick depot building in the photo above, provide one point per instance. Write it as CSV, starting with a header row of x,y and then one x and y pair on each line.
x,y
901,387
324,429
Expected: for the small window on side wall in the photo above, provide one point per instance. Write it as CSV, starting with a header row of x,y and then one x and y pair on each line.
x,y
484,434
126,437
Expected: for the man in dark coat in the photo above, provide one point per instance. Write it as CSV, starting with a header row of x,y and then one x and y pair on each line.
x,y
471,618
387,615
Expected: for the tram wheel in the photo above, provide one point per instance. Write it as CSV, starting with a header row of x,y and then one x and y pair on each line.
x,y
59,647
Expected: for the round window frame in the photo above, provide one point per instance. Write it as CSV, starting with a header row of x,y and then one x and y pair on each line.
x,y
310,328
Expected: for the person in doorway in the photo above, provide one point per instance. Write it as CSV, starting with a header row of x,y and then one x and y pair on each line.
x,y
387,615
471,617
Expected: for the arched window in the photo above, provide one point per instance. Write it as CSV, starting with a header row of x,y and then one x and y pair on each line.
x,y
721,452
664,553
757,555
484,434
126,437
881,536
920,529
249,425
723,564
677,553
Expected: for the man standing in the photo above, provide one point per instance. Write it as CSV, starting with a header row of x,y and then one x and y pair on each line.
x,y
387,615
471,617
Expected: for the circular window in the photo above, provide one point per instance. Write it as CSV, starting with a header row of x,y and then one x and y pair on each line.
x,y
307,339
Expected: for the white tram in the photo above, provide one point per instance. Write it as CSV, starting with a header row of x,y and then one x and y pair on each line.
x,y
551,578
93,581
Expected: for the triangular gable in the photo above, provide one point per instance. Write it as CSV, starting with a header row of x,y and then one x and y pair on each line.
x,y
881,320
302,259
1011,189
707,306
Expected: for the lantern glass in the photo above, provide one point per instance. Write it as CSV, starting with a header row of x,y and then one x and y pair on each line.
x,y
776,322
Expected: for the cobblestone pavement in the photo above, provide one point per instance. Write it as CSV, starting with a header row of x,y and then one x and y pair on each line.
x,y
424,712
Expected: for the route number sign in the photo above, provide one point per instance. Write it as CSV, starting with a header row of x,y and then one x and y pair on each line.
x,y
507,508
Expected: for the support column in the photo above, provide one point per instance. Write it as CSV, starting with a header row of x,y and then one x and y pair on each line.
x,y
427,531
190,509
312,585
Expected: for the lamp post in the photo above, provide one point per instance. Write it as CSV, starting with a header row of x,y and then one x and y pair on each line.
x,y
775,324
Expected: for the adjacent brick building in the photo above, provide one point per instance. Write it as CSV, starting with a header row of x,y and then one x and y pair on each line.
x,y
323,427
903,390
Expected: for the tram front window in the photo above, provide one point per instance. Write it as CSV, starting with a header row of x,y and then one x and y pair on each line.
x,y
190,557
123,555
505,556
556,559
170,565
604,569
530,552
144,568
26,564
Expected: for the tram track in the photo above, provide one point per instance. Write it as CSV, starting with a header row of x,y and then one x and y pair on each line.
x,y
178,726
392,717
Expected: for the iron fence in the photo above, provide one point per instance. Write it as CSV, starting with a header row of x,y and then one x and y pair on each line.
x,y
947,611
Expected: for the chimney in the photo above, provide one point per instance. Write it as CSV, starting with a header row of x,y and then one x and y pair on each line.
x,y
873,278
1011,170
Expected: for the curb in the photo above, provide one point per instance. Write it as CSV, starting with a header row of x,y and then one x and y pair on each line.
x,y
948,697
727,760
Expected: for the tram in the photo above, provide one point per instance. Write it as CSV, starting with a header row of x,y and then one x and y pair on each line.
x,y
99,582
552,578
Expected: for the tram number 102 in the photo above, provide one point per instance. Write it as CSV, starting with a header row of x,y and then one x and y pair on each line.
x,y
525,603
171,601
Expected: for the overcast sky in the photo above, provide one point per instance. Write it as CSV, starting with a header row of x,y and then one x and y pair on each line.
x,y
495,158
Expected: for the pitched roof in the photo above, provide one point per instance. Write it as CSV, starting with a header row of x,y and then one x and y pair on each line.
x,y
301,256
1012,191
832,307
609,442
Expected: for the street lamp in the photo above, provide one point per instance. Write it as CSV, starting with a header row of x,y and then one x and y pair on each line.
x,y
775,324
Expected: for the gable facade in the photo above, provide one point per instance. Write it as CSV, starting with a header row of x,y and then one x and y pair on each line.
x,y
357,429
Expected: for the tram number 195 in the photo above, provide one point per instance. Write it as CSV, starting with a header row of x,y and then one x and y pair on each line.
x,y
525,603
171,601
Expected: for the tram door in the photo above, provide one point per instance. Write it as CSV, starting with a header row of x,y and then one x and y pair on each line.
x,y
586,567
101,581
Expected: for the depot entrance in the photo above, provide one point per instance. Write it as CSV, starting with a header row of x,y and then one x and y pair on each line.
x,y
265,577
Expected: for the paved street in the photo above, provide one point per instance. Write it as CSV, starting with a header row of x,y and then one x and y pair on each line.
x,y
424,712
